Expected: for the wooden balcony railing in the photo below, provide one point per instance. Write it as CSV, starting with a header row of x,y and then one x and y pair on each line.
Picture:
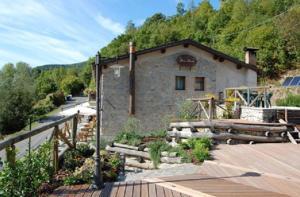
x,y
61,131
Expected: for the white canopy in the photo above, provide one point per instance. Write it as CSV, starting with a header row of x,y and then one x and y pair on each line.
x,y
83,108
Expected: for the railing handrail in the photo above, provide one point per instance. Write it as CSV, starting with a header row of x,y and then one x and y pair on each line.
x,y
22,136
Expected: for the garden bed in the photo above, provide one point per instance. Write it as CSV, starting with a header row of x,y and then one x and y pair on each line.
x,y
159,148
34,174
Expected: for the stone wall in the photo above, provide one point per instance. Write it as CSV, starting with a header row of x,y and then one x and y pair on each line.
x,y
156,96
258,114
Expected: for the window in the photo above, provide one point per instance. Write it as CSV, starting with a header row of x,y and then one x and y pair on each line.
x,y
180,83
199,83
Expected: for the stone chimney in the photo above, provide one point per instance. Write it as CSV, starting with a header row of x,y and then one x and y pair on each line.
x,y
250,55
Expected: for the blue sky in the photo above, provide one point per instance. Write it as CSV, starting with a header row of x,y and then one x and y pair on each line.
x,y
68,31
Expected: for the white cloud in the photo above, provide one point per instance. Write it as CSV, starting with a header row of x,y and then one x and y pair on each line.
x,y
110,25
44,32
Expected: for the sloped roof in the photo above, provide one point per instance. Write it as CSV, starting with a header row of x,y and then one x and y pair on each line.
x,y
186,42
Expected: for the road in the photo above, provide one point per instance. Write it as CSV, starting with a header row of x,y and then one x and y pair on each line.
x,y
36,140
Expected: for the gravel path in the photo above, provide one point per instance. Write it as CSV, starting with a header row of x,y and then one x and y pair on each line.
x,y
165,170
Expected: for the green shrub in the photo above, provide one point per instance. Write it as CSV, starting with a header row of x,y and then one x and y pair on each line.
x,y
85,150
28,173
43,106
190,144
130,138
185,156
114,161
200,152
130,133
58,98
290,100
159,133
155,149
72,159
83,174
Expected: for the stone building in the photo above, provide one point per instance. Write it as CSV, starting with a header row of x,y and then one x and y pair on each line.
x,y
154,81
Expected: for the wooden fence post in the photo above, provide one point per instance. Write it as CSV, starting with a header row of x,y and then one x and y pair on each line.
x,y
74,130
55,148
210,109
11,154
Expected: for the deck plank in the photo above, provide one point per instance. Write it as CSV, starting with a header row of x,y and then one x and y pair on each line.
x,y
107,190
129,189
137,189
89,191
121,190
82,191
144,189
96,193
160,191
114,190
168,192
272,167
152,190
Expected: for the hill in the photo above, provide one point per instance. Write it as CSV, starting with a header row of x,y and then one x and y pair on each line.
x,y
270,25
52,66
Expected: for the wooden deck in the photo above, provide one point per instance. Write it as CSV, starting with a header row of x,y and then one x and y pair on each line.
x,y
197,185
272,167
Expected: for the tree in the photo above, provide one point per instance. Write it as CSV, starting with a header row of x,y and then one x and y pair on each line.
x,y
72,85
192,6
45,85
235,25
130,27
16,100
180,9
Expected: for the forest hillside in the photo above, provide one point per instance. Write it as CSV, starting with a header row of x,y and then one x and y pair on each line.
x,y
270,25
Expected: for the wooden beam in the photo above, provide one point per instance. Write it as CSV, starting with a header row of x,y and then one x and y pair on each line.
x,y
229,125
27,134
74,130
226,136
63,137
55,149
241,97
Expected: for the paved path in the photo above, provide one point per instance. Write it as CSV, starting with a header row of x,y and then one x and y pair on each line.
x,y
37,140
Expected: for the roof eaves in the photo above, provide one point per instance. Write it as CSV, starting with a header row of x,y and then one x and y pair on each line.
x,y
186,41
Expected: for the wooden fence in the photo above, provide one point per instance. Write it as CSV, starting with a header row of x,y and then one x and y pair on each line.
x,y
250,96
59,132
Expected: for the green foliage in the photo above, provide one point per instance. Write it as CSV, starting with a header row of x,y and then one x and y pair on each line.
x,y
16,100
159,133
43,106
72,159
127,137
85,150
200,149
28,173
114,161
130,133
235,25
186,157
200,152
185,110
180,8
45,85
191,143
83,174
290,100
155,149
72,85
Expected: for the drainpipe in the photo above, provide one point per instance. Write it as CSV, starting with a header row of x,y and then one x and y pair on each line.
x,y
131,78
